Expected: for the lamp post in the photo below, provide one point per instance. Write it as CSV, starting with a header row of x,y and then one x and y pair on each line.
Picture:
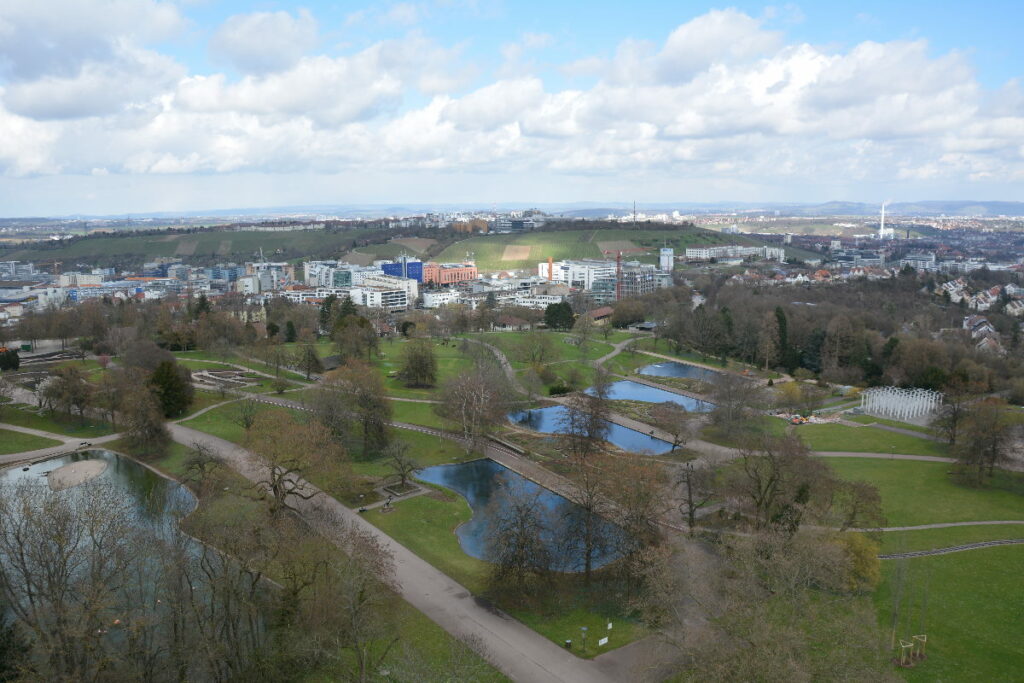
x,y
583,632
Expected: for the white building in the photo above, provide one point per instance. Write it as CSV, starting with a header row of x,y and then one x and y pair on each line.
x,y
79,279
440,298
580,274
708,252
667,259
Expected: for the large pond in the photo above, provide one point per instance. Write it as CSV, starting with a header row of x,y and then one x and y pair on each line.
x,y
481,481
634,391
158,503
676,369
551,419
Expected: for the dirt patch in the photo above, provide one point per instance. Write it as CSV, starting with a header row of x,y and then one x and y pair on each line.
x,y
417,244
76,473
625,246
516,252
186,247
224,248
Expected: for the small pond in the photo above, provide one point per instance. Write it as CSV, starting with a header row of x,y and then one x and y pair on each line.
x,y
549,421
479,482
634,391
677,369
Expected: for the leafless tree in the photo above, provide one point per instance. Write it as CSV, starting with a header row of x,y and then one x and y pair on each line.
x,y
401,463
518,535
675,420
697,485
478,400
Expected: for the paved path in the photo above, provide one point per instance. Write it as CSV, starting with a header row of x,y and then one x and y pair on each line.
x,y
520,653
945,525
952,549
881,456
505,364
67,444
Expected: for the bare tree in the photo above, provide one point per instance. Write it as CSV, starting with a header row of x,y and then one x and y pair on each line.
x,y
478,400
401,463
244,413
674,419
202,467
518,534
287,460
697,485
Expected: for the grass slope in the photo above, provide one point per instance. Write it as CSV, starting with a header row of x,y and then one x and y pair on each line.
x,y
17,442
969,604
215,246
915,493
488,250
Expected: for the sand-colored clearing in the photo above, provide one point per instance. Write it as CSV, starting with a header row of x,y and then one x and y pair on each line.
x,y
516,252
76,473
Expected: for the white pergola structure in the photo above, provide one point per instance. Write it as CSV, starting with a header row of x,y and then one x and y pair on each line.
x,y
900,404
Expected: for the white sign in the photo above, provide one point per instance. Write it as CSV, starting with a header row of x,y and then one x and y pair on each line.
x,y
609,626
603,641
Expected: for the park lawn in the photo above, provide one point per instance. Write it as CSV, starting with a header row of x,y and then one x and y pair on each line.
x,y
665,348
237,359
562,350
193,364
421,414
973,613
915,492
869,419
57,423
930,539
426,449
426,525
218,421
837,437
450,362
17,442
204,399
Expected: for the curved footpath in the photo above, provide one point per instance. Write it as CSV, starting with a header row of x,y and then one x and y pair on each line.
x,y
513,648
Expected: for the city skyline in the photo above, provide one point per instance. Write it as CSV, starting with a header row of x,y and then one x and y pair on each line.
x,y
137,106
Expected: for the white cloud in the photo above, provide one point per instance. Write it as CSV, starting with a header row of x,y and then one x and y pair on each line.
x,y
721,102
264,42
403,13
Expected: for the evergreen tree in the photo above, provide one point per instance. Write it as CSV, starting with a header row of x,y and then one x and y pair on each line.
x,y
290,335
272,330
347,308
558,316
9,359
327,312
172,386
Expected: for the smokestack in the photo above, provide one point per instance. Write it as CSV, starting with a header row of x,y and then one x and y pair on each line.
x,y
551,265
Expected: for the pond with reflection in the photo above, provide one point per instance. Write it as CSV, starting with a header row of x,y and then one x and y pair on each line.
x,y
480,482
550,420
677,369
634,391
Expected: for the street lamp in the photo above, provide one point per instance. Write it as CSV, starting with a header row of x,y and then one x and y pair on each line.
x,y
583,632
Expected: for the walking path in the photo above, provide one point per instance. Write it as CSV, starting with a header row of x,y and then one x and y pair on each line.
x,y
952,549
513,648
67,445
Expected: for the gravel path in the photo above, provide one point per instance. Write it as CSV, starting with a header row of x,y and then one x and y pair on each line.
x,y
952,549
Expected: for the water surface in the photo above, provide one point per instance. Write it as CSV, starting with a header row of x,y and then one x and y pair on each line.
x,y
550,421
677,369
635,391
481,482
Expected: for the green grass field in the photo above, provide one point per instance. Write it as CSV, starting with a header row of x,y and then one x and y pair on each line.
x,y
205,247
868,419
929,539
426,449
450,362
915,492
561,350
68,425
969,605
490,254
836,437
218,422
17,442
420,414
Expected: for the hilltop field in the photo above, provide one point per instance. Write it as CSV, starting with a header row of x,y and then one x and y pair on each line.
x,y
491,252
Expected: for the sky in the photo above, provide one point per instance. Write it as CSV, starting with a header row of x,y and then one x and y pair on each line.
x,y
130,106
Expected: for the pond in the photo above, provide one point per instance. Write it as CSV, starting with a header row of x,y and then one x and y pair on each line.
x,y
677,369
158,503
549,421
480,481
634,391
